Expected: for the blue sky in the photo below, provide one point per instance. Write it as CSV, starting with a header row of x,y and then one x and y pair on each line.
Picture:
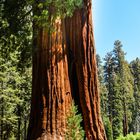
x,y
117,20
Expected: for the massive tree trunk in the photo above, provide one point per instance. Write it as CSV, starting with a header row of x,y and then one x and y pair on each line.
x,y
80,43
64,67
51,94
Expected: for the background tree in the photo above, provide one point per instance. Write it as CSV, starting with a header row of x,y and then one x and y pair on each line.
x,y
14,92
119,82
135,69
114,103
125,84
102,87
104,98
15,68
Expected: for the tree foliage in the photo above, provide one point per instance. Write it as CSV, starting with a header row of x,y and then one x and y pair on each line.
x,y
15,69
74,131
120,88
135,69
46,12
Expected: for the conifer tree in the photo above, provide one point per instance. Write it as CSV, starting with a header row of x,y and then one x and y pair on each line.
x,y
119,80
74,131
102,87
135,69
125,80
104,98
15,68
114,103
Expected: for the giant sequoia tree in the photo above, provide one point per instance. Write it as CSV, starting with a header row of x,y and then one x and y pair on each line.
x,y
64,69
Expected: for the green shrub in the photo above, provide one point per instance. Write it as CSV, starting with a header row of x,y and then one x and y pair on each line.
x,y
74,131
108,128
130,137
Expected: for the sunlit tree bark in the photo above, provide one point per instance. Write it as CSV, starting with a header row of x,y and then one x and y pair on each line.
x,y
80,42
51,94
64,68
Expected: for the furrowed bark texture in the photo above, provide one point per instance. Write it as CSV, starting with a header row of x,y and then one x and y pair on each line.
x,y
51,94
64,67
80,43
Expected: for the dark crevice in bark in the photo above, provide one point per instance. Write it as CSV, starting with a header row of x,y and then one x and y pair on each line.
x,y
75,90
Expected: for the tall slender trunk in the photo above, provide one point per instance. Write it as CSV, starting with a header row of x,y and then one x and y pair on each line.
x,y
25,128
19,122
110,98
2,115
125,121
1,130
80,43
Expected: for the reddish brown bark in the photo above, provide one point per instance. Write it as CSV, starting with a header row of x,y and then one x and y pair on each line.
x,y
80,43
51,95
64,67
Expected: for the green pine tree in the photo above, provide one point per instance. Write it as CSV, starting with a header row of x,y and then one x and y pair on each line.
x,y
119,83
135,70
104,103
74,131
125,81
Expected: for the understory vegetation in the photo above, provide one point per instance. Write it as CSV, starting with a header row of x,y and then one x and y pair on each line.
x,y
74,131
130,137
